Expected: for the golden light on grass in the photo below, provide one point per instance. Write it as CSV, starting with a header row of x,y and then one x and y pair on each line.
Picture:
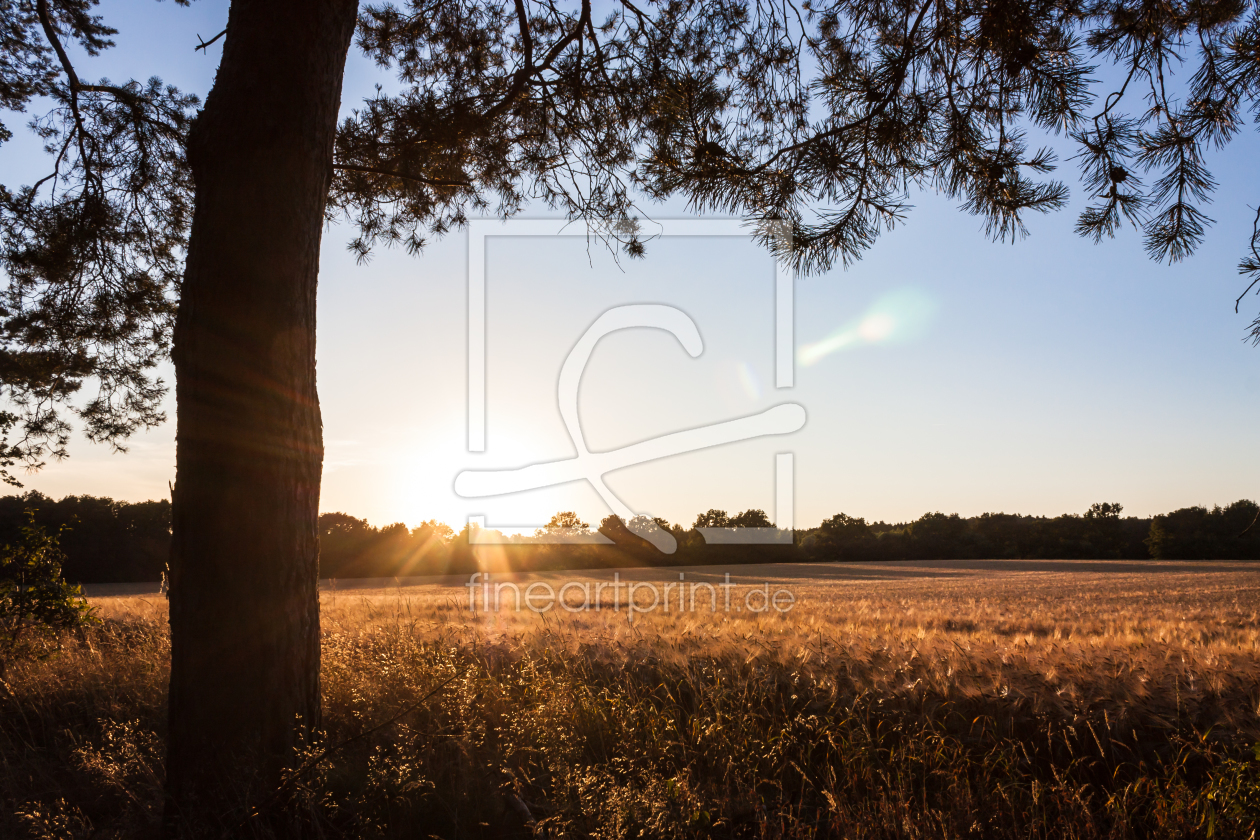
x,y
1005,700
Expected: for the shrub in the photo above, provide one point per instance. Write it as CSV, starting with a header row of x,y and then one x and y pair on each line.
x,y
36,603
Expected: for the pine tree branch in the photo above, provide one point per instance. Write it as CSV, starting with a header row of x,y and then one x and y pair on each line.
x,y
45,20
521,78
389,173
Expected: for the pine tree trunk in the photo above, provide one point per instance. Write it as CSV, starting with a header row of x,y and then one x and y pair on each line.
x,y
244,563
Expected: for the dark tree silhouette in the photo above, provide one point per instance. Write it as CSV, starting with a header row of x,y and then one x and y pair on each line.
x,y
823,114
754,518
712,519
566,523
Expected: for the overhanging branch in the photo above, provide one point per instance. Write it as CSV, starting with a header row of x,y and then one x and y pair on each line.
x,y
389,173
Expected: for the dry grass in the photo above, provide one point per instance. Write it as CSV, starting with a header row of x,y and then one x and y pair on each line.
x,y
914,700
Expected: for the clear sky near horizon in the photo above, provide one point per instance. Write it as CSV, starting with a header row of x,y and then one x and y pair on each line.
x,y
962,375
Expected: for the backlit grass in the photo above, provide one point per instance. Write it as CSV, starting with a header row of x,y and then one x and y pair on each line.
x,y
1020,704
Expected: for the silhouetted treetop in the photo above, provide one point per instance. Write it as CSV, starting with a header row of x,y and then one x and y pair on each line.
x,y
825,115
564,524
92,251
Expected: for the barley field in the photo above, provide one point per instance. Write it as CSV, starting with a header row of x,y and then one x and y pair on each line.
x,y
953,699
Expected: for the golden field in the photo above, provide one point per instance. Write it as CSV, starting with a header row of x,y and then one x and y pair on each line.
x,y
948,699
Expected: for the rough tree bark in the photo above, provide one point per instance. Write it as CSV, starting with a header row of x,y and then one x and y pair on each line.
x,y
244,562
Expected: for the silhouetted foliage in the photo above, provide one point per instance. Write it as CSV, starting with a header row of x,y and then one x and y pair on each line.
x,y
843,537
36,602
754,518
350,547
824,114
565,525
1195,532
712,519
105,541
93,250
1099,534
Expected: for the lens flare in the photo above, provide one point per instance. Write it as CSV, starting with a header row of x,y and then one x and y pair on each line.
x,y
895,318
748,380
876,327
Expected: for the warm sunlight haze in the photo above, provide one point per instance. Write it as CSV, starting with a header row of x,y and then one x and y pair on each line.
x,y
622,419
939,372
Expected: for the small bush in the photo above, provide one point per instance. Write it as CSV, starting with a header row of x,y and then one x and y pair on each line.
x,y
36,603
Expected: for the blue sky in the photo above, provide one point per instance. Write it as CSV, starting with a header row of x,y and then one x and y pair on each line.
x,y
1037,377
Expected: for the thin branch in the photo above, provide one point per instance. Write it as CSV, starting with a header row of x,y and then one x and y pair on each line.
x,y
76,86
521,77
372,170
1244,294
879,108
568,39
527,66
642,18
205,44
50,33
41,8
1252,525
1255,237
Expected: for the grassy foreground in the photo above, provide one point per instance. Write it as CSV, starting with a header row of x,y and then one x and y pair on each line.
x,y
1022,704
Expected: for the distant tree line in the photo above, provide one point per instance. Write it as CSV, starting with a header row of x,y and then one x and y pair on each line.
x,y
1100,534
103,540
111,541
